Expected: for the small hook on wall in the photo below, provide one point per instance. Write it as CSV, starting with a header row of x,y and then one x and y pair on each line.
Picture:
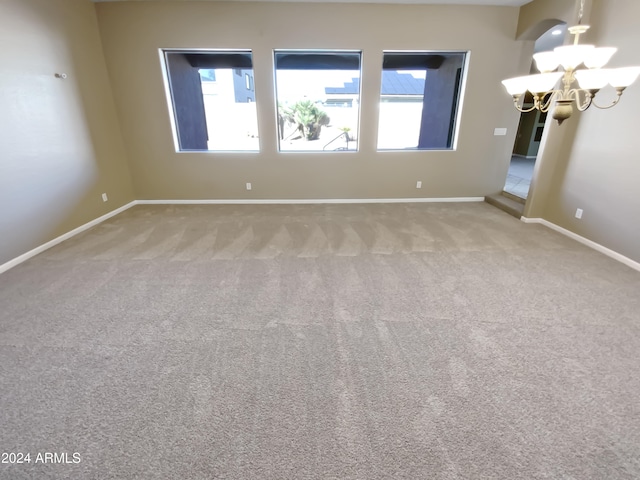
x,y
61,75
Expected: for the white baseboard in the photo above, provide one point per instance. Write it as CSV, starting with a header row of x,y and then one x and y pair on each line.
x,y
585,241
307,201
31,253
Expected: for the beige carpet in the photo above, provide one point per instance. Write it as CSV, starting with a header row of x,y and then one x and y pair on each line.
x,y
423,341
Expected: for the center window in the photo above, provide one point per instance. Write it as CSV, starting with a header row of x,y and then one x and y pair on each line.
x,y
318,96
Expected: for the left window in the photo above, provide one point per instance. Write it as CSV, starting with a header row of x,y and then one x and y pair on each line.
x,y
212,100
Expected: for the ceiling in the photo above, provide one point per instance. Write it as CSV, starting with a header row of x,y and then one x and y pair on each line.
x,y
509,3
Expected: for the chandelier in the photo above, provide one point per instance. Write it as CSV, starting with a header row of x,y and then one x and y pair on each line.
x,y
571,84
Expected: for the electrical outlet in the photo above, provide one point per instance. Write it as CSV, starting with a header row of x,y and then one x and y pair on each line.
x,y
248,186
418,184
500,131
104,197
579,213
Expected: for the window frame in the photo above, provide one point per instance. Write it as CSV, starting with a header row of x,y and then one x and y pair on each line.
x,y
164,67
275,51
460,99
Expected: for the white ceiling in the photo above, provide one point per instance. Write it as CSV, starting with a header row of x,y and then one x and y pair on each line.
x,y
510,3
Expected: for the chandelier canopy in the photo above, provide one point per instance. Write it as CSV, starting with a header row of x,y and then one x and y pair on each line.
x,y
580,78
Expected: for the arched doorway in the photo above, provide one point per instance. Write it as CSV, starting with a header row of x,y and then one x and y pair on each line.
x,y
530,127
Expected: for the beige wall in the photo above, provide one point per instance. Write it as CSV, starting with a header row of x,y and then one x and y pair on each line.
x,y
132,33
539,16
60,143
598,166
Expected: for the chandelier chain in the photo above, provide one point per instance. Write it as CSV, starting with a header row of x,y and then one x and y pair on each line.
x,y
581,12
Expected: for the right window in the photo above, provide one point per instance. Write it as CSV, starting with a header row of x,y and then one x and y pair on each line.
x,y
419,100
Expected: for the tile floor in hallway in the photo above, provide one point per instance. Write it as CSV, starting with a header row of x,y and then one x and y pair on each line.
x,y
519,176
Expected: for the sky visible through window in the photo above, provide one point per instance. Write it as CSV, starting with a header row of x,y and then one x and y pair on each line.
x,y
294,85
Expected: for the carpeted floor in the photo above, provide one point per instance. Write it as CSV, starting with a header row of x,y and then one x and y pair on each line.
x,y
417,341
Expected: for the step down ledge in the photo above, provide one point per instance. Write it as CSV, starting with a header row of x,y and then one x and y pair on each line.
x,y
513,197
506,204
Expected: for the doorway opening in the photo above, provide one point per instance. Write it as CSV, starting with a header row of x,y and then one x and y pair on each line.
x,y
531,126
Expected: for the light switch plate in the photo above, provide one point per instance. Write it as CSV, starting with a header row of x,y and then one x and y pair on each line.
x,y
500,131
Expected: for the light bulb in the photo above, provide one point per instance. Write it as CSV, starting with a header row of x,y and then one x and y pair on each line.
x,y
623,77
570,56
516,85
599,57
546,61
592,79
542,82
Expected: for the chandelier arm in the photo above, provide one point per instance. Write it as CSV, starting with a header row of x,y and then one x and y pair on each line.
x,y
588,98
612,104
520,109
545,104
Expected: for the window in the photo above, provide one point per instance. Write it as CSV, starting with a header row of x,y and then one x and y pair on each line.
x,y
212,110
318,96
419,100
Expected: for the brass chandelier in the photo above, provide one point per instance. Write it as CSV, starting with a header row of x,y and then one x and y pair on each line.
x,y
579,85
